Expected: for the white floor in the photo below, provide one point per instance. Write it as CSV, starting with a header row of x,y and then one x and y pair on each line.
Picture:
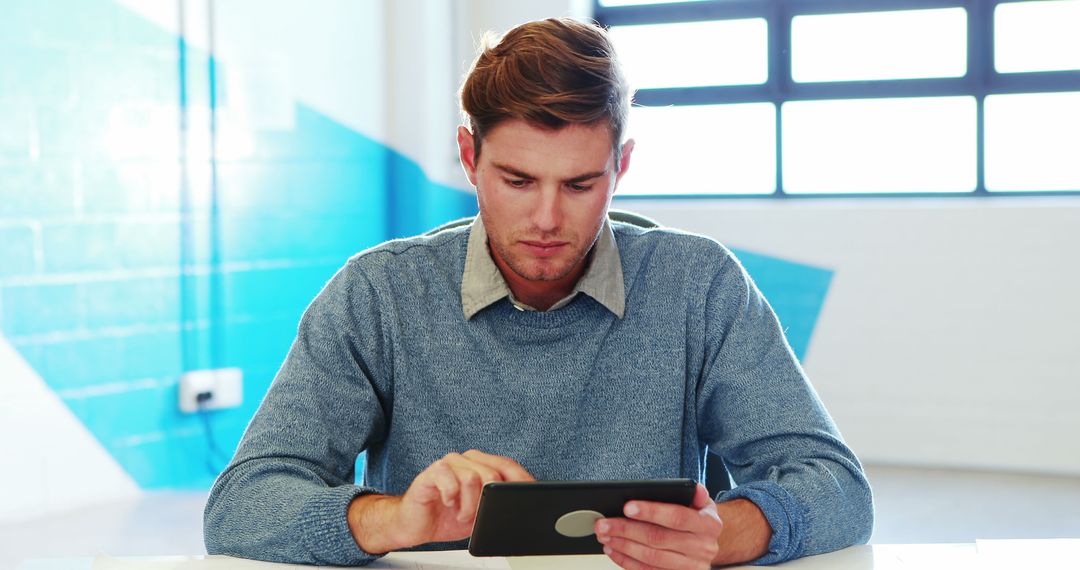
x,y
913,505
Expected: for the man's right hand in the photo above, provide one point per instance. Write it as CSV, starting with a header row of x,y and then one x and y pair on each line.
x,y
439,506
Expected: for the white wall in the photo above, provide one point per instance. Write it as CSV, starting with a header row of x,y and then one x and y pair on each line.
x,y
951,333
50,462
328,54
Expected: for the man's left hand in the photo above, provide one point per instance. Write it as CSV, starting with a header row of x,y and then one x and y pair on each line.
x,y
662,535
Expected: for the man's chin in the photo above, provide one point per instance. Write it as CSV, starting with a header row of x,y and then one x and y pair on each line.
x,y
542,272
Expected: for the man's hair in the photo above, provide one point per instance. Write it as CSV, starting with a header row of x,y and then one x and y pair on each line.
x,y
550,73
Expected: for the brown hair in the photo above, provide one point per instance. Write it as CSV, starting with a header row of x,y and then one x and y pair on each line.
x,y
549,73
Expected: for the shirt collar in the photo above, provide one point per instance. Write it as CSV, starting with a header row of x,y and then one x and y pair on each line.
x,y
482,284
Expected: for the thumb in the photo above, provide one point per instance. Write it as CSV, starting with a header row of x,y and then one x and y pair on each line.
x,y
704,503
701,497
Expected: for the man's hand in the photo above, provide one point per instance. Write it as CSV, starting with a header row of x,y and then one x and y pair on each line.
x,y
661,535
440,505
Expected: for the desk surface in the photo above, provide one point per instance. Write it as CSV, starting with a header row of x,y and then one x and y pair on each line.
x,y
1050,554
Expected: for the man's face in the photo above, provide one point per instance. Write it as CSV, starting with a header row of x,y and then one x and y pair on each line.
x,y
543,196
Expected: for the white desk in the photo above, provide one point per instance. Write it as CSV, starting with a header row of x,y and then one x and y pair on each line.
x,y
1019,554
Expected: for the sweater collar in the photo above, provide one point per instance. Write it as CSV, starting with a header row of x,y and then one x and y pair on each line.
x,y
482,284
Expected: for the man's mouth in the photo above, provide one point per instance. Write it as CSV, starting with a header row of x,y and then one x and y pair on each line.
x,y
544,248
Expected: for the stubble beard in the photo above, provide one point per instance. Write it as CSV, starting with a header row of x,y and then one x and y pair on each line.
x,y
536,270
546,271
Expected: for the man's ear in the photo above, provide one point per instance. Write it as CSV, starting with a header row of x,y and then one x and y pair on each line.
x,y
624,160
467,153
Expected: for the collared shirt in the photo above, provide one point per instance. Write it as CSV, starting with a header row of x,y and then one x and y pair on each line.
x,y
483,284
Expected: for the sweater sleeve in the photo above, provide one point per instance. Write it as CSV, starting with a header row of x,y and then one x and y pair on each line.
x,y
284,496
758,411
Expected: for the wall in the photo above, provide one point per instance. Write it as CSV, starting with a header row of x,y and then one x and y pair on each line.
x,y
175,188
140,239
88,107
949,335
128,256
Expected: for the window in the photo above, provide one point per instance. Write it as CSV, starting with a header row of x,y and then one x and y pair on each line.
x,y
1037,36
849,97
734,144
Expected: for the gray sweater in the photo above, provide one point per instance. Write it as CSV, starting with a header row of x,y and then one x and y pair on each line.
x,y
385,361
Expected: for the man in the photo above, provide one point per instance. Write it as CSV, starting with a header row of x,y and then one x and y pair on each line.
x,y
540,341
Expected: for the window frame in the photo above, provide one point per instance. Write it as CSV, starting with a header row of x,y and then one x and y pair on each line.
x,y
981,79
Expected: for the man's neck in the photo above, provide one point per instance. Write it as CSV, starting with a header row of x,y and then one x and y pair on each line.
x,y
540,296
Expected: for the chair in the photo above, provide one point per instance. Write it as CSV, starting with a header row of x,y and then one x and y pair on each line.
x,y
613,215
717,478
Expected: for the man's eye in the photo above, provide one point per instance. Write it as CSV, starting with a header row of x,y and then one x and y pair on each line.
x,y
580,187
519,183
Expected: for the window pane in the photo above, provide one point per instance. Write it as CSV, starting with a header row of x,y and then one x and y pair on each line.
x,y
1033,142
640,2
724,52
880,145
707,149
879,45
1037,36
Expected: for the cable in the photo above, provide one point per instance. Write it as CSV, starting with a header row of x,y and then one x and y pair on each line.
x,y
202,398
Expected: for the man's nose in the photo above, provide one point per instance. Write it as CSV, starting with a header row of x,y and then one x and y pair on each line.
x,y
547,212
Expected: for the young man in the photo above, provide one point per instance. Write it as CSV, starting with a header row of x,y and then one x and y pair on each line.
x,y
540,341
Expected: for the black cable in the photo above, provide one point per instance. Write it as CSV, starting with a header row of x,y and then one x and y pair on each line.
x,y
202,398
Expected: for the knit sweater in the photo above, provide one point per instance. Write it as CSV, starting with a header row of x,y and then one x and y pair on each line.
x,y
385,362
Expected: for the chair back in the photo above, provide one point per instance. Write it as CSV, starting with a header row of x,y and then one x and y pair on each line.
x,y
613,215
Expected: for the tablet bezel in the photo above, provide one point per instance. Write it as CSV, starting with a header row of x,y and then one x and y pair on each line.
x,y
518,519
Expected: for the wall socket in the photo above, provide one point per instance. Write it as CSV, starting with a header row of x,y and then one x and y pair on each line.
x,y
224,385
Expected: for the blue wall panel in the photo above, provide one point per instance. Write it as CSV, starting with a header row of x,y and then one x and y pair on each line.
x,y
17,247
417,205
98,289
796,291
46,188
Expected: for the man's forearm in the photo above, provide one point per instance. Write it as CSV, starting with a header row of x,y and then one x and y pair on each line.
x,y
746,532
369,517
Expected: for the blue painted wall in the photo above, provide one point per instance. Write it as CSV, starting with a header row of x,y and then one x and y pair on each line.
x,y
796,291
115,278
109,286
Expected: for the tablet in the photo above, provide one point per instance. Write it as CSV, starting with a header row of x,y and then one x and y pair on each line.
x,y
557,517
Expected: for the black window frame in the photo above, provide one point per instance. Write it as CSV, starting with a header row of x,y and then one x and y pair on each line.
x,y
980,80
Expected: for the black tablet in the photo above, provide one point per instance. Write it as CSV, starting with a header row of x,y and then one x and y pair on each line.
x,y
557,517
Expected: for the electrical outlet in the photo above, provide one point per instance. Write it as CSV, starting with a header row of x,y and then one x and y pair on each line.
x,y
224,385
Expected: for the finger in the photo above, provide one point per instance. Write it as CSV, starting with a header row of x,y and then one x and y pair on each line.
x,y
702,547
425,491
471,476
447,482
465,479
649,557
676,517
481,466
509,469
473,482
623,561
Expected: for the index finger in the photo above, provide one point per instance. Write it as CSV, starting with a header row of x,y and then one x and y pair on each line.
x,y
509,469
671,516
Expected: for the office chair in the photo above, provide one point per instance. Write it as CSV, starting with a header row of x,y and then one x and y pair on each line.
x,y
613,215
717,478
